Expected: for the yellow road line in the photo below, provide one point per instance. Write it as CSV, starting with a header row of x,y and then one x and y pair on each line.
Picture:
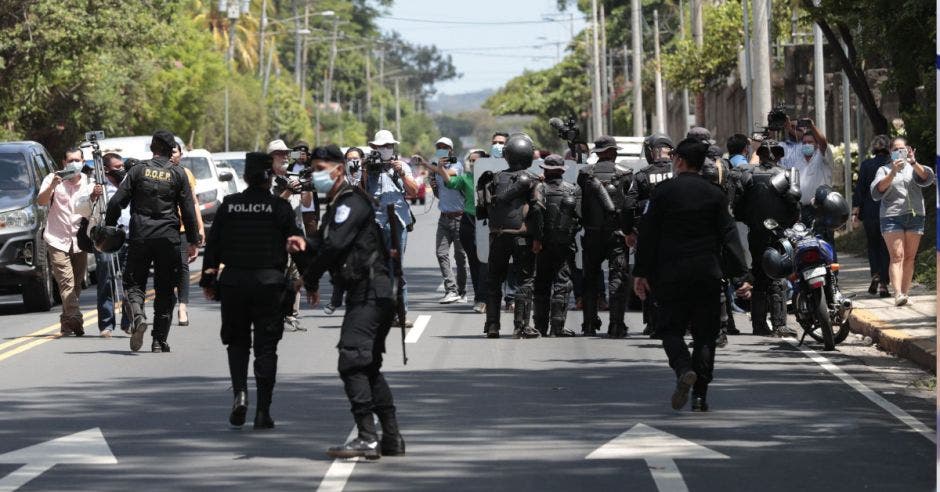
x,y
89,319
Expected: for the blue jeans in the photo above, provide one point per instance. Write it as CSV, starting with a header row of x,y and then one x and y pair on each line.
x,y
403,240
106,318
903,223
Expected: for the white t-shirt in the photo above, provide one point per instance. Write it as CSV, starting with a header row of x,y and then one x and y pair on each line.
x,y
815,172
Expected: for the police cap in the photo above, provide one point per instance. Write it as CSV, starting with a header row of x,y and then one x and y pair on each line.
x,y
329,153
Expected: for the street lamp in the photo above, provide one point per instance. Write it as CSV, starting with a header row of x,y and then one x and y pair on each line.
x,y
233,10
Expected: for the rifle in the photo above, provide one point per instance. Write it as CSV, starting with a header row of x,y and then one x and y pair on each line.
x,y
399,286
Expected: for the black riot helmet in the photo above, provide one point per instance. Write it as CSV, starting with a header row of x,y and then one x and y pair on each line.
x,y
518,152
655,141
832,211
776,265
107,239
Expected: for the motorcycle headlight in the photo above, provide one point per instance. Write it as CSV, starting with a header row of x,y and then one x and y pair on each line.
x,y
20,219
207,197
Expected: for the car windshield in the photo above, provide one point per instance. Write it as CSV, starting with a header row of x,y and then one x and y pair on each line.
x,y
237,164
199,166
14,175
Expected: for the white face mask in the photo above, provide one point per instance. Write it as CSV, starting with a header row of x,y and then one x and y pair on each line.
x,y
386,153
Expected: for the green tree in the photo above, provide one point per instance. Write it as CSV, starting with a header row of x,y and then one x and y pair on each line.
x,y
694,68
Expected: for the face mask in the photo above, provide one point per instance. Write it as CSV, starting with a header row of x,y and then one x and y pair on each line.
x,y
117,174
898,154
440,154
322,181
386,153
497,151
809,150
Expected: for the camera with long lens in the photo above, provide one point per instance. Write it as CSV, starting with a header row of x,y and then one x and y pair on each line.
x,y
569,132
776,122
304,177
375,164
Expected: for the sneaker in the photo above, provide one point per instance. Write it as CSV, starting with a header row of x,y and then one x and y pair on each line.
x,y
291,323
900,300
722,340
684,384
329,310
449,298
105,334
479,307
462,300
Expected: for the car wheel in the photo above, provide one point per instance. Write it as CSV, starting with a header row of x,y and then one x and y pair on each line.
x,y
40,294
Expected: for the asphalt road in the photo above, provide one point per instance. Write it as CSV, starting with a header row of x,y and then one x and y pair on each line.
x,y
477,414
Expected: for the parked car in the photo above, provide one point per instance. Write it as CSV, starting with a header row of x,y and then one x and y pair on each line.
x,y
137,147
234,159
237,184
24,265
211,184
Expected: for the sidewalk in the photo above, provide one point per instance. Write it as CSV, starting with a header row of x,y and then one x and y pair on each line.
x,y
908,331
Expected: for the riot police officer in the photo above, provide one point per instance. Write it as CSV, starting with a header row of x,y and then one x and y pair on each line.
x,y
249,236
555,262
351,247
514,207
684,235
159,195
768,192
656,149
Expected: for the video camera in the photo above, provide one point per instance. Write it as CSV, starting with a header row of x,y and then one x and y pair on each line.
x,y
375,165
304,177
776,122
569,132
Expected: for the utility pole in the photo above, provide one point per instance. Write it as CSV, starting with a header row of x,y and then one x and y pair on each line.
x,y
382,84
847,139
297,43
397,112
303,61
749,83
685,92
760,51
660,97
233,10
596,116
698,34
368,81
329,77
638,115
264,23
604,99
819,77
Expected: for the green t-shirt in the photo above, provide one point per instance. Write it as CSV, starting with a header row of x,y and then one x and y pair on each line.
x,y
464,184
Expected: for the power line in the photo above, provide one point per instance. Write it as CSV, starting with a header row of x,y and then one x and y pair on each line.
x,y
477,23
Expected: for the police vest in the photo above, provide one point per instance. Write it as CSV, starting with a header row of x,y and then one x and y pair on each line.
x,y
252,238
560,216
155,189
612,180
509,204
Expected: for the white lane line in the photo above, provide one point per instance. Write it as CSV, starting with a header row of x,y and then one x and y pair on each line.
x,y
867,392
340,470
415,332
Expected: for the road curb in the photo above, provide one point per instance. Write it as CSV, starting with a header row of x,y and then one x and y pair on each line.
x,y
921,351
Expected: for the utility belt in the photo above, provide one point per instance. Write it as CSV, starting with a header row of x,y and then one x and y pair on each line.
x,y
452,215
498,232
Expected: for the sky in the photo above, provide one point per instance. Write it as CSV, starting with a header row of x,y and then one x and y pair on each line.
x,y
486,53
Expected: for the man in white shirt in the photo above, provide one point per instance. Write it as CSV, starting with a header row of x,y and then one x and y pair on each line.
x,y
814,162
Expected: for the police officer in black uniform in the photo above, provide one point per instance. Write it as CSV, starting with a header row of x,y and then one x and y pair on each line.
x,y
555,262
249,236
159,195
351,247
514,207
768,192
656,149
686,228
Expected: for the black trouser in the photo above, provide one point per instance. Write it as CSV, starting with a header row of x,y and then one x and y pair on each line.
x,y
768,296
878,258
502,248
163,255
362,342
694,305
577,280
183,290
258,307
552,286
600,245
468,239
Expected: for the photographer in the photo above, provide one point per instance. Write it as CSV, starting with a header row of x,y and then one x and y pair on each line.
x,y
813,158
309,201
389,179
451,204
288,188
114,172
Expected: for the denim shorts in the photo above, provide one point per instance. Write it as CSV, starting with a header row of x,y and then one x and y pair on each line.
x,y
903,223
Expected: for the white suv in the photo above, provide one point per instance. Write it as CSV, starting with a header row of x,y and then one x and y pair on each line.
x,y
211,183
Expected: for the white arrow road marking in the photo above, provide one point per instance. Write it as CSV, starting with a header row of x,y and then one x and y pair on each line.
x,y
82,448
867,392
415,332
659,449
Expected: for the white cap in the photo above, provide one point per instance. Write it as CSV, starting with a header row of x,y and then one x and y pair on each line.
x,y
446,141
383,137
277,145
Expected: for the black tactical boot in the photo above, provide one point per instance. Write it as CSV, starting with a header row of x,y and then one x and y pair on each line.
x,y
491,330
158,347
138,328
263,419
683,385
699,404
239,409
393,445
356,448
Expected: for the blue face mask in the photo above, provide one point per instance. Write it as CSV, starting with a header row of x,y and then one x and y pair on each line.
x,y
322,181
440,154
497,151
809,150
